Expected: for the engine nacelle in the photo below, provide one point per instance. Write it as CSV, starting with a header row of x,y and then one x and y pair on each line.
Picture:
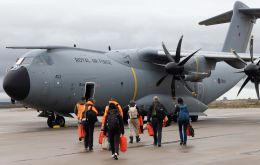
x,y
196,76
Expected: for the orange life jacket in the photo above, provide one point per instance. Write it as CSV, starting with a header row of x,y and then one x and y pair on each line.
x,y
81,109
106,111
91,104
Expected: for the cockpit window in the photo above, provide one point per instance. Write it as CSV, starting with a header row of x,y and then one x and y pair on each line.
x,y
27,60
19,61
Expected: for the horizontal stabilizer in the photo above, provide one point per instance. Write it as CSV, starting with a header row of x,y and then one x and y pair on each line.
x,y
226,17
219,19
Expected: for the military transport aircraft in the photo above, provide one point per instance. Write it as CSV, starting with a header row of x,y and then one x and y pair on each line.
x,y
52,79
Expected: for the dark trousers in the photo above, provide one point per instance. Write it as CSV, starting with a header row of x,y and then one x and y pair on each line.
x,y
89,130
182,130
157,129
114,139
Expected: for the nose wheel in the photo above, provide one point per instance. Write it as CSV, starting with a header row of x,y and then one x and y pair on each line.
x,y
58,120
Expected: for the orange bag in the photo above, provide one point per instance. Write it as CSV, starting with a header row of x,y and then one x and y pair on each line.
x,y
123,143
150,129
140,121
165,121
100,137
81,131
188,130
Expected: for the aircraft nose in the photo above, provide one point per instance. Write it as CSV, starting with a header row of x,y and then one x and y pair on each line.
x,y
17,83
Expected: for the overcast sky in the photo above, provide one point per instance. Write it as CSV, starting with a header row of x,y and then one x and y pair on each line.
x,y
122,24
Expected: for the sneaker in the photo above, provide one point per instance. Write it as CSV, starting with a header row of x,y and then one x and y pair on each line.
x,y
91,149
115,157
184,144
159,145
181,143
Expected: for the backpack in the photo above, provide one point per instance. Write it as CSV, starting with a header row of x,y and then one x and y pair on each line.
x,y
91,116
183,114
133,112
113,123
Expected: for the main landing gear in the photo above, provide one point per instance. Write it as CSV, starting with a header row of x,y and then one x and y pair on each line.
x,y
55,120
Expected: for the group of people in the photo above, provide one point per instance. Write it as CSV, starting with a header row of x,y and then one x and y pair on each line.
x,y
112,124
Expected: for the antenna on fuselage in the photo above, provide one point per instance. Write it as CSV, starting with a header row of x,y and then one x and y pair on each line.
x,y
74,45
109,48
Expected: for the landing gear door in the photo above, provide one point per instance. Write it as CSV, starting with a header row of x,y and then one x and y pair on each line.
x,y
89,90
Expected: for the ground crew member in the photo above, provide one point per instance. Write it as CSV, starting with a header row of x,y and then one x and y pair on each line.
x,y
133,113
156,114
90,115
114,126
78,110
182,113
117,105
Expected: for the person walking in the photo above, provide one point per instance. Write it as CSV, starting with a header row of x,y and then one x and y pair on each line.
x,y
156,114
90,116
114,126
182,113
133,113
79,111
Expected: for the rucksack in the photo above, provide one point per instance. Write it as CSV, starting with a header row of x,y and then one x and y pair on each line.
x,y
113,123
133,112
183,114
91,115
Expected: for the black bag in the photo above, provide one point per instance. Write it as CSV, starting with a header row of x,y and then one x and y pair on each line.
x,y
113,123
91,116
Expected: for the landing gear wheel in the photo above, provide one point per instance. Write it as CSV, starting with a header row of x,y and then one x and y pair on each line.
x,y
194,118
60,120
51,121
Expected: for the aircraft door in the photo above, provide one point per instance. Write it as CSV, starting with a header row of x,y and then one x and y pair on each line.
x,y
89,90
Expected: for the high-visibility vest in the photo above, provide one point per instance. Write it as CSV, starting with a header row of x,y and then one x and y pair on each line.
x,y
81,109
106,111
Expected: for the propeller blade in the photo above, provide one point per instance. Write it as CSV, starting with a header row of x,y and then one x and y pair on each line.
x,y
258,62
257,89
244,84
251,48
173,86
240,72
167,53
178,51
186,85
161,80
238,57
187,58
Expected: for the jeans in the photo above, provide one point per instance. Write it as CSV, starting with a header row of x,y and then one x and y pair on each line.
x,y
157,129
182,131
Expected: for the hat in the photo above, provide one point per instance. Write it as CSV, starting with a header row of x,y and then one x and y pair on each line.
x,y
155,98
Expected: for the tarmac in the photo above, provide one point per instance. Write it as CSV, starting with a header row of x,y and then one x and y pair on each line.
x,y
225,136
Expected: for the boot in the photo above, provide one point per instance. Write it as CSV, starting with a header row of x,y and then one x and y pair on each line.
x,y
131,139
137,139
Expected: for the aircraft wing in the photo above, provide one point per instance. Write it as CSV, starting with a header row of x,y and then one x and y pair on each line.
x,y
159,58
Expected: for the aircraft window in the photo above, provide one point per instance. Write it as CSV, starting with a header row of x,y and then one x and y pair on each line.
x,y
27,60
19,61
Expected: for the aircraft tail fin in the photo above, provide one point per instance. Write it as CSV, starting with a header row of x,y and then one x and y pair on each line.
x,y
242,19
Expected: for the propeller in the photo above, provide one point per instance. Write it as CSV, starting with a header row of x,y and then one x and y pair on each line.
x,y
252,70
175,68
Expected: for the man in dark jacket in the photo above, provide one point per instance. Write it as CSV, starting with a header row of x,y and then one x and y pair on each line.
x,y
156,114
90,114
114,126
183,120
